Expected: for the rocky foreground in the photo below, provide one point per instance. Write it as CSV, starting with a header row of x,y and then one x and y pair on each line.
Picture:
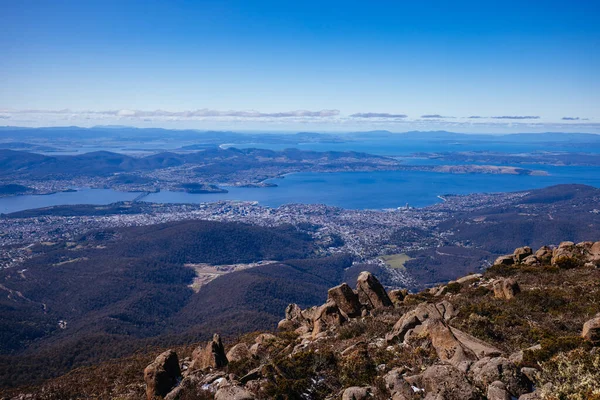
x,y
528,328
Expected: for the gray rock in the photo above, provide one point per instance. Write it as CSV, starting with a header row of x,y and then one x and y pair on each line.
x,y
497,391
505,260
506,288
591,330
521,253
357,393
396,384
211,356
488,370
371,292
447,382
397,296
346,300
544,254
238,352
233,393
162,375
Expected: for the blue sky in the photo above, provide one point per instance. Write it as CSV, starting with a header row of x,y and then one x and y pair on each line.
x,y
286,65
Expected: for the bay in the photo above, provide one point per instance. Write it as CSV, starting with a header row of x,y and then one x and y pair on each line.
x,y
354,190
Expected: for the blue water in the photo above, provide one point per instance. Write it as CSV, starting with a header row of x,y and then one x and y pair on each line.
x,y
355,190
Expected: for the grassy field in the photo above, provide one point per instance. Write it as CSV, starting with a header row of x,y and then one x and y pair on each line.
x,y
395,260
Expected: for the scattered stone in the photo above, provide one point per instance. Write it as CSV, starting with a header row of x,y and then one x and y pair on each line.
x,y
261,343
466,280
566,255
238,352
531,396
522,253
506,288
488,370
544,254
447,310
396,384
233,393
293,312
397,296
594,256
195,384
346,300
162,375
357,393
531,373
448,348
517,357
497,391
293,319
327,315
591,330
504,260
477,346
531,261
371,292
448,383
211,356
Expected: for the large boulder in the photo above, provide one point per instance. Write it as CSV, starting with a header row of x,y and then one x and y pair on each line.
x,y
448,348
326,316
468,279
531,261
397,296
397,385
412,319
505,260
566,255
544,254
522,253
262,343
233,393
506,288
452,345
497,391
211,356
346,300
293,312
293,319
477,346
488,370
239,352
591,330
357,393
594,254
447,382
371,292
195,385
162,375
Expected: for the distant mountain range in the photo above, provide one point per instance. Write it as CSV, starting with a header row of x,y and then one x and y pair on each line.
x,y
127,133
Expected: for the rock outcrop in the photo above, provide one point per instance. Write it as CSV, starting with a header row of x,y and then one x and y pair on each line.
x,y
371,292
345,299
425,356
506,288
591,331
489,370
239,352
211,356
162,375
565,255
448,383
357,393
452,345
